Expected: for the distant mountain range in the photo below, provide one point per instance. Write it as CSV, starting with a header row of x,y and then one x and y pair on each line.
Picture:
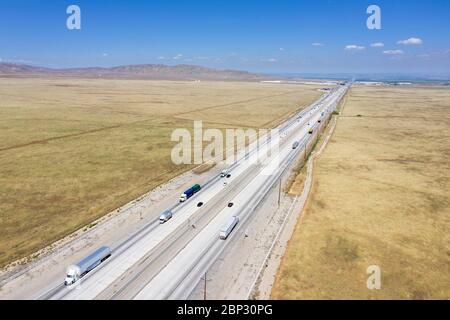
x,y
139,71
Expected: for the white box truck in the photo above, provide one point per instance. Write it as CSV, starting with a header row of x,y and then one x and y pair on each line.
x,y
165,216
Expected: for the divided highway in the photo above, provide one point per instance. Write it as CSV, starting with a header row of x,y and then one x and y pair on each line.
x,y
166,261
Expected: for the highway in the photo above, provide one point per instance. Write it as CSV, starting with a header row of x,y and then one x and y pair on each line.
x,y
166,261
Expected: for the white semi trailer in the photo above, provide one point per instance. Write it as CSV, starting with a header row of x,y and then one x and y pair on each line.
x,y
79,270
228,228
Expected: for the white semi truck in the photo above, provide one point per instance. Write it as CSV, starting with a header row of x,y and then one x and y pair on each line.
x,y
79,270
228,228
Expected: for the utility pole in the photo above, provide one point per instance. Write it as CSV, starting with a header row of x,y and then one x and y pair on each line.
x,y
204,289
306,144
279,194
141,209
204,285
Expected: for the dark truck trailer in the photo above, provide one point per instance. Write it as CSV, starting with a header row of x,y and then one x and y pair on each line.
x,y
190,192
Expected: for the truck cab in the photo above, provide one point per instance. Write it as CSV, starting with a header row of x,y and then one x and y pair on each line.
x,y
70,279
72,276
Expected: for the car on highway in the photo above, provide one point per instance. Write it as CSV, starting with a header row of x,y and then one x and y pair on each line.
x,y
311,131
295,145
224,173
79,270
200,204
230,204
165,216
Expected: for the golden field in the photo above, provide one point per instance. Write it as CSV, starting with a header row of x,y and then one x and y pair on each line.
x,y
71,150
380,197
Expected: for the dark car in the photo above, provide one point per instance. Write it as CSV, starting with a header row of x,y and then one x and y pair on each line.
x,y
230,204
200,204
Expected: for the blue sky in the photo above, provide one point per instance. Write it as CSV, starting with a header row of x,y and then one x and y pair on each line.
x,y
263,36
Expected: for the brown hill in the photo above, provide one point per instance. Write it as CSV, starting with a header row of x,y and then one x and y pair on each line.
x,y
139,71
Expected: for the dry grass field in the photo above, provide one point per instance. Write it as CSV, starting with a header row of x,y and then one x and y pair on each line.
x,y
380,197
71,150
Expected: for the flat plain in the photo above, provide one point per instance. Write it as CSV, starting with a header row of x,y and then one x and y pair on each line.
x,y
380,197
72,150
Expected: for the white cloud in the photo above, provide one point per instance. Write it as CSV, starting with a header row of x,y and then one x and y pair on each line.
x,y
178,57
353,47
393,52
411,41
269,60
281,49
377,45
317,44
104,54
161,58
201,58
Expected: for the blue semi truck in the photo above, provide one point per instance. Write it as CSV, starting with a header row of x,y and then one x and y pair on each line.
x,y
190,192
